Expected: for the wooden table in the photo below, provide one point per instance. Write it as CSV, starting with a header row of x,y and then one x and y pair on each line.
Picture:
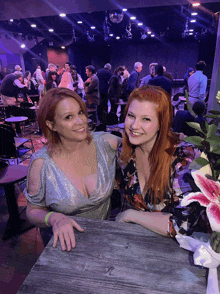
x,y
8,177
113,257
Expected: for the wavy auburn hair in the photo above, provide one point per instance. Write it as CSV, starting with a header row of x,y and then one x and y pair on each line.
x,y
47,109
160,157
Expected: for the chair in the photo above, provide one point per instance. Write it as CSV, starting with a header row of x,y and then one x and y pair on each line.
x,y
12,147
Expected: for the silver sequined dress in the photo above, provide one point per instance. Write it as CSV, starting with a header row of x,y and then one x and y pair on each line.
x,y
58,194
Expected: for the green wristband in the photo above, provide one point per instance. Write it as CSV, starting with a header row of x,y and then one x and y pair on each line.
x,y
46,218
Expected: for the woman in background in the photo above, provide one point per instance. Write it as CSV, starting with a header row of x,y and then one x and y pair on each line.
x,y
77,83
40,81
51,80
66,80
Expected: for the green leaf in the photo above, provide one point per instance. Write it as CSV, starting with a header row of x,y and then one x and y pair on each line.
x,y
196,126
216,112
211,131
207,126
216,150
211,116
201,161
214,139
194,140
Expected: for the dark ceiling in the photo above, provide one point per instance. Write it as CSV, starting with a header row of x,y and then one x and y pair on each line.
x,y
164,21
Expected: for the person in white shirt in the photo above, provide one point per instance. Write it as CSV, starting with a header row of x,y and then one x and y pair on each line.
x,y
197,84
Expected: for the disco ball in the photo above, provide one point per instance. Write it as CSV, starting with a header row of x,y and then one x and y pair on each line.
x,y
116,17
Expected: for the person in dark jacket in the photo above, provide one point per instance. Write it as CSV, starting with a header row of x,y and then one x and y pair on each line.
x,y
115,87
160,80
104,76
134,80
183,116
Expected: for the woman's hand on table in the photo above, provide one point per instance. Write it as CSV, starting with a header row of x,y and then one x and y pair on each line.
x,y
63,229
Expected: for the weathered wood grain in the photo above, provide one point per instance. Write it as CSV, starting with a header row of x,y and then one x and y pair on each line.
x,y
115,257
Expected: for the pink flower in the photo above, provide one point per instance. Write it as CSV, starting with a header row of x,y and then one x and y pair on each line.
x,y
208,197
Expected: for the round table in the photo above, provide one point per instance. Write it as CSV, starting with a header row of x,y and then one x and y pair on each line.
x,y
17,119
8,177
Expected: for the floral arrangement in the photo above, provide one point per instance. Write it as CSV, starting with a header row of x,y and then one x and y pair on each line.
x,y
209,143
206,177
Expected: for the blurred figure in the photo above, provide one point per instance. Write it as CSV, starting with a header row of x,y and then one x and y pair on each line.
x,y
167,74
197,84
40,81
152,74
27,79
77,83
160,80
104,76
51,81
66,80
91,86
51,68
183,116
115,88
134,80
190,71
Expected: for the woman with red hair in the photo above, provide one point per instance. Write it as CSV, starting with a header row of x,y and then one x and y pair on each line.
x,y
154,166
73,174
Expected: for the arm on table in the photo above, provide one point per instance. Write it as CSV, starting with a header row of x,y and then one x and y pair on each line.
x,y
62,225
154,221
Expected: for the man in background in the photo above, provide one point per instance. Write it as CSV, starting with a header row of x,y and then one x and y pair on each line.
x,y
134,80
91,87
152,74
104,76
197,84
160,80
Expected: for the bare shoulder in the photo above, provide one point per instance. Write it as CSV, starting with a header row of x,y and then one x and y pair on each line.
x,y
113,140
34,175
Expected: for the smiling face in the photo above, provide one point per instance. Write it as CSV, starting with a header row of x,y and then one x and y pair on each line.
x,y
69,122
141,124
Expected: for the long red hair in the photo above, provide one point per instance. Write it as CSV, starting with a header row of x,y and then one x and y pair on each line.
x,y
160,157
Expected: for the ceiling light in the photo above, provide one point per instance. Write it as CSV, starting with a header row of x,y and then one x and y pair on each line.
x,y
117,37
79,21
196,4
63,47
11,20
194,13
62,15
190,34
152,35
140,23
93,28
33,25
193,20
149,32
22,45
111,35
191,30
124,9
51,30
133,17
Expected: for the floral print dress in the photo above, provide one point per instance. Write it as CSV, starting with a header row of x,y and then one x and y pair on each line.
x,y
186,219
